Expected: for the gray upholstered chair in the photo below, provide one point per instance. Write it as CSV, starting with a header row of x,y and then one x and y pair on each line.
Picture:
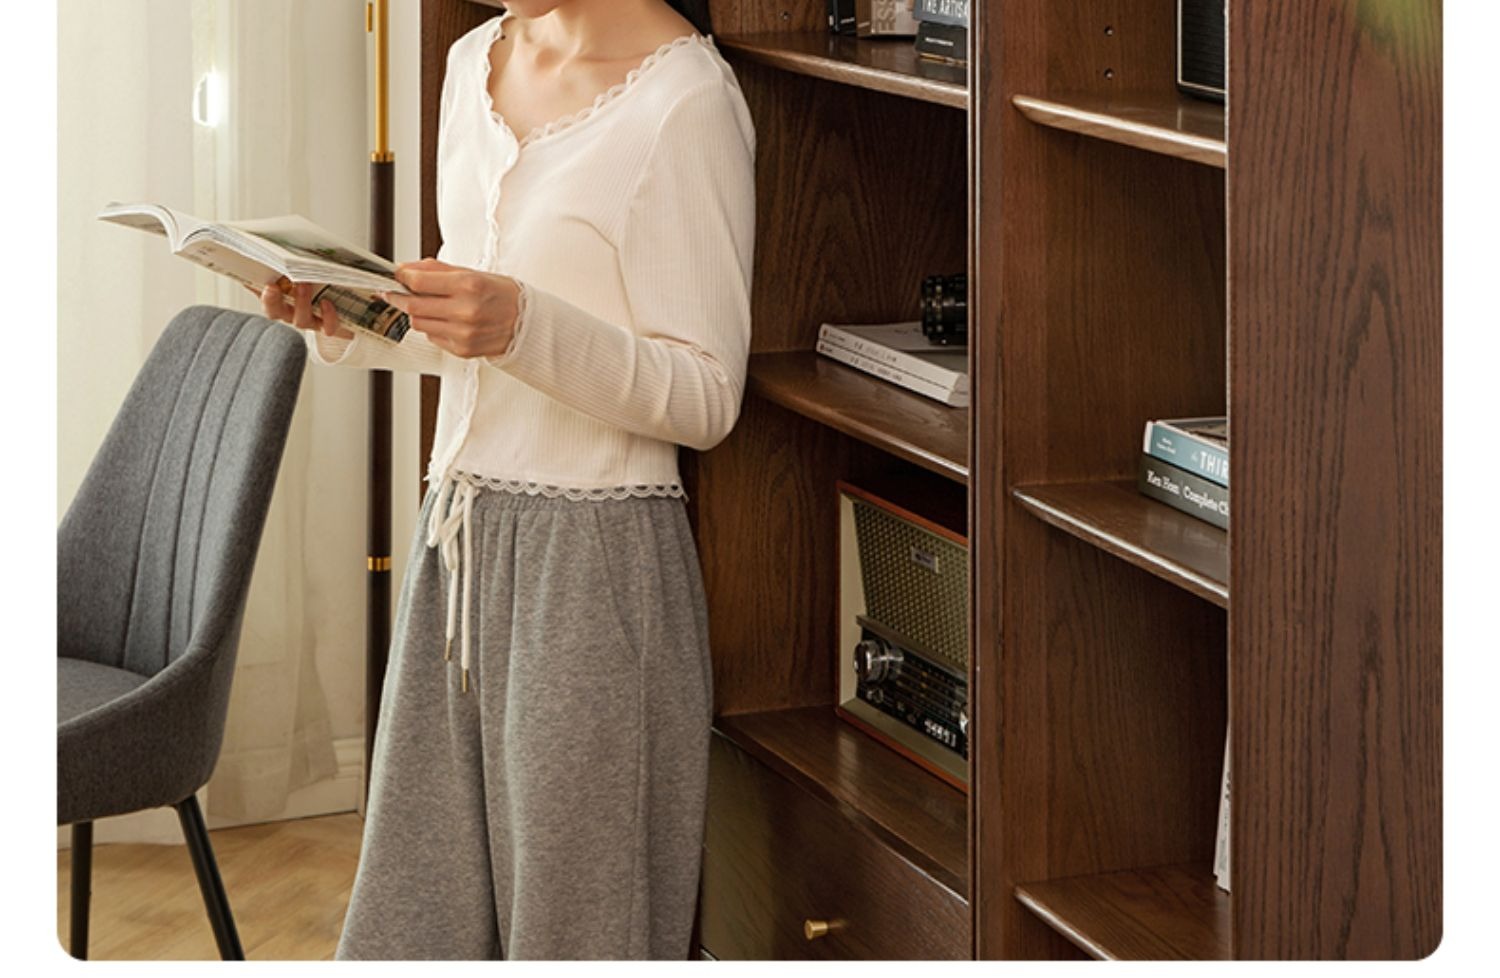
x,y
153,567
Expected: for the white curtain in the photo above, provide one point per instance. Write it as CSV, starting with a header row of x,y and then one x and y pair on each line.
x,y
290,137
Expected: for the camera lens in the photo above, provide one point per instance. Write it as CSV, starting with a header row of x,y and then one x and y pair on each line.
x,y
945,308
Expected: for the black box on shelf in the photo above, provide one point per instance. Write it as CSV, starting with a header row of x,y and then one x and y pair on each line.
x,y
1201,40
841,16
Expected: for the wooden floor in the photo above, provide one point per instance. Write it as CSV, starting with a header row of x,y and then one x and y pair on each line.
x,y
288,885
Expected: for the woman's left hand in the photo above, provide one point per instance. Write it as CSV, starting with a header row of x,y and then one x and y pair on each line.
x,y
466,312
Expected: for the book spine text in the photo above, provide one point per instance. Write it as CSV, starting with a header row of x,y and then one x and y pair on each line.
x,y
1202,458
1184,491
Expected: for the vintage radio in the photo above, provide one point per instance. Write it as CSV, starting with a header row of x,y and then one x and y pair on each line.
x,y
904,619
1201,41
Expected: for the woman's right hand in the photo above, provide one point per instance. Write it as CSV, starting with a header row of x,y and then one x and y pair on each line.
x,y
292,304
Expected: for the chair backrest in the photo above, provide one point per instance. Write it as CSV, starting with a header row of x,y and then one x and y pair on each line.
x,y
155,552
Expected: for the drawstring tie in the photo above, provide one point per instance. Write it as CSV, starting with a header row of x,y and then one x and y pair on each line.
x,y
451,514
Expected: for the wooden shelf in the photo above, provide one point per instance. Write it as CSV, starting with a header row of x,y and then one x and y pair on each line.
x,y
1167,913
1166,123
881,64
907,425
918,815
1115,517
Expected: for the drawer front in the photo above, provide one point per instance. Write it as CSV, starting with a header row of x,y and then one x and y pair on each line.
x,y
775,857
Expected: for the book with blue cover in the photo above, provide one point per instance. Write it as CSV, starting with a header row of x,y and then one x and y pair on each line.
x,y
1196,445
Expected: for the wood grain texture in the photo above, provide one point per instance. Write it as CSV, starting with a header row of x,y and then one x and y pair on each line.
x,y
288,884
883,65
1336,393
908,809
768,540
840,237
776,857
1099,46
760,16
1117,519
1162,913
1173,125
841,233
1098,303
898,421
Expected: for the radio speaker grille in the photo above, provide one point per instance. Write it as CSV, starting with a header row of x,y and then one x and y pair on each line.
x,y
916,582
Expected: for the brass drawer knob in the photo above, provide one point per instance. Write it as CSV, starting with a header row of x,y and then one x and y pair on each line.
x,y
814,929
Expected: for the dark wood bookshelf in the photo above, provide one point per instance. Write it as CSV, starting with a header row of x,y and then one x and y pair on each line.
x,y
886,65
1115,517
1158,914
911,810
1101,218
1166,123
907,425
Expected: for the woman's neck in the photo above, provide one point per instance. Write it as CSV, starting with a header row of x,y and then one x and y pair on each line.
x,y
594,30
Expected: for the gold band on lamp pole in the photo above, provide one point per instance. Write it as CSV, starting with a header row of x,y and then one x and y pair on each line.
x,y
378,22
378,563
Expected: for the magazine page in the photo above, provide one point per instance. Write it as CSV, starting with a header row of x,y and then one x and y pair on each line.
x,y
361,310
311,252
178,227
225,260
154,218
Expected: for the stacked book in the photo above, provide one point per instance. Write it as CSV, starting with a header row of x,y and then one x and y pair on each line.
x,y
940,27
943,30
1185,464
901,354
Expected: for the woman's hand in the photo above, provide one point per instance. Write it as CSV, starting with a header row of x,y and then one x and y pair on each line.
x,y
293,304
466,312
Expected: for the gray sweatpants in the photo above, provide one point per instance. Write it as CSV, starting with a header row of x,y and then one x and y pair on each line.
x,y
556,808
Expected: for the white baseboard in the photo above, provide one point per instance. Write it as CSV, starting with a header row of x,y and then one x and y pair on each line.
x,y
344,792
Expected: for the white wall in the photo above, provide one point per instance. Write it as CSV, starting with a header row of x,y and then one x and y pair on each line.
x,y
115,289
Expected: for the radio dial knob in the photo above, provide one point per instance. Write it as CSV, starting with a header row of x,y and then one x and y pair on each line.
x,y
963,720
874,660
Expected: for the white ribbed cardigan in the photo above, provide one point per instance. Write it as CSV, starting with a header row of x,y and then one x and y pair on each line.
x,y
629,227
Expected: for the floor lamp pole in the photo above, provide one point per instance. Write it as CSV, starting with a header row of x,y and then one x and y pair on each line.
x,y
383,243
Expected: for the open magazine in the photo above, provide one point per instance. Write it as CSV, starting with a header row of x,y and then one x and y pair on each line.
x,y
262,252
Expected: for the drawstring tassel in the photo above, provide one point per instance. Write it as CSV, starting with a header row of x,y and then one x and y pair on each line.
x,y
451,515
468,576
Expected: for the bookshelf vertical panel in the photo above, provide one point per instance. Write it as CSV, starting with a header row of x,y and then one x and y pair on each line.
x,y
1335,324
986,487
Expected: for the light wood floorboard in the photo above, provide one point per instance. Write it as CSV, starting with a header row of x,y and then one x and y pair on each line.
x,y
288,885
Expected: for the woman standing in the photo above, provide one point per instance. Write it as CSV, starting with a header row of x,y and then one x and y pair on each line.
x,y
540,767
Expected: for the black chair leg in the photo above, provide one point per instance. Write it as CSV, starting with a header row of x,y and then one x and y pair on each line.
x,y
214,897
83,875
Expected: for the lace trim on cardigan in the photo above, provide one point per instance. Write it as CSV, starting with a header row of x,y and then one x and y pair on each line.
x,y
570,492
600,100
